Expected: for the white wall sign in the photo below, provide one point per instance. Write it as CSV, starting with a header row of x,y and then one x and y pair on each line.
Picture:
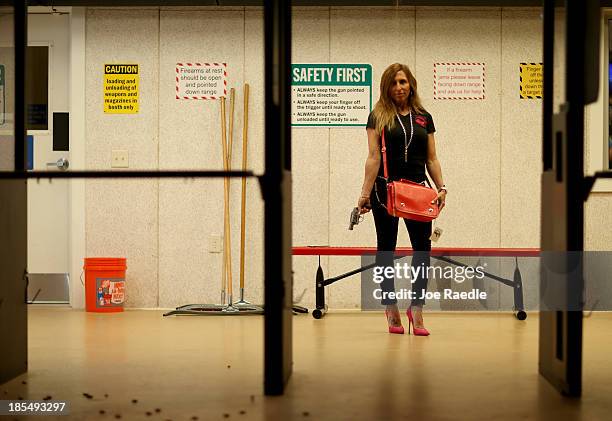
x,y
459,80
331,95
201,80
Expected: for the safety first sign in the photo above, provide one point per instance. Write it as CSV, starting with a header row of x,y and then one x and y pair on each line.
x,y
121,83
531,77
330,95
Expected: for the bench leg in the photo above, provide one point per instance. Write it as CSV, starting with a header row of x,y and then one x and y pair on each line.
x,y
321,307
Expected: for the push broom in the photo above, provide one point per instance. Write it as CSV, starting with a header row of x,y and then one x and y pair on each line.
x,y
227,153
245,125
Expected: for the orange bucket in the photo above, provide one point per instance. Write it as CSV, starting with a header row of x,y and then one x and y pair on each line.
x,y
104,284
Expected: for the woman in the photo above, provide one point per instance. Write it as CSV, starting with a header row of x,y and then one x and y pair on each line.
x,y
409,138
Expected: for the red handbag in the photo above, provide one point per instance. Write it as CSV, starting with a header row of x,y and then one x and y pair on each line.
x,y
407,199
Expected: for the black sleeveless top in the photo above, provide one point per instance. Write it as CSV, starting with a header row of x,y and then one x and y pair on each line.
x,y
410,166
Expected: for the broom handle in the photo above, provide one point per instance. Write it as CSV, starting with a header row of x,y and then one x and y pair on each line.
x,y
231,129
225,199
245,142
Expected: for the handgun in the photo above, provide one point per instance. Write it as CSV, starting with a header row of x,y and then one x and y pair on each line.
x,y
354,218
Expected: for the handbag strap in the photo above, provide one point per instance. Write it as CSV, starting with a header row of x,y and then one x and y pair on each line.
x,y
384,154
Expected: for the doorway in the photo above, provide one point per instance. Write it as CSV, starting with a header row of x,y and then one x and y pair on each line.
x,y
47,121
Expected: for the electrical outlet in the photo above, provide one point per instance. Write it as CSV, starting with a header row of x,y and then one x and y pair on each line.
x,y
215,244
119,159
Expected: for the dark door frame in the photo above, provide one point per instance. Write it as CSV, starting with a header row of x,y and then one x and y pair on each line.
x,y
13,222
563,182
276,186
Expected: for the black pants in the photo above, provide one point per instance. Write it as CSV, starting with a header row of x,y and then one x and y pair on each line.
x,y
386,241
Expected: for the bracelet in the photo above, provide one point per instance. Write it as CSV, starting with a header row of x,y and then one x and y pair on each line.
x,y
442,188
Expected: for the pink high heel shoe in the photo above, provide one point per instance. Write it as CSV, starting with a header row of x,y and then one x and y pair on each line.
x,y
418,331
394,329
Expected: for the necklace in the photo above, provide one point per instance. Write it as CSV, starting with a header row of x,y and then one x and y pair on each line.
x,y
406,142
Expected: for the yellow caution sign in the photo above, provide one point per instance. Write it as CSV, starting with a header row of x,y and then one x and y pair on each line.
x,y
121,88
531,80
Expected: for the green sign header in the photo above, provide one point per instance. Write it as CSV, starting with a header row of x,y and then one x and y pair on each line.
x,y
331,74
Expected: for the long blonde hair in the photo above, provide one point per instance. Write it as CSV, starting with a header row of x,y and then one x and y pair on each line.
x,y
385,109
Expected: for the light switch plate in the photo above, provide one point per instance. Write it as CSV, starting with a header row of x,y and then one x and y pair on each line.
x,y
119,159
